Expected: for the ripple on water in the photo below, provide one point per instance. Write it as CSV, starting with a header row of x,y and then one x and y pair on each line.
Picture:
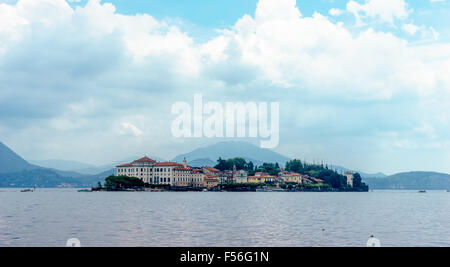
x,y
232,219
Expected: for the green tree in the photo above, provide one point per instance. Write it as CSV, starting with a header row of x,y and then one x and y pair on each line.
x,y
123,182
357,180
221,164
295,166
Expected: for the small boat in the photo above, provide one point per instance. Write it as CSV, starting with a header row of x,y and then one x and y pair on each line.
x,y
422,191
26,190
85,191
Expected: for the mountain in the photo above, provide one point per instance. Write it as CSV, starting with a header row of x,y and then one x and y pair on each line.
x,y
411,181
45,178
11,162
106,168
17,172
202,163
75,168
63,165
363,174
228,150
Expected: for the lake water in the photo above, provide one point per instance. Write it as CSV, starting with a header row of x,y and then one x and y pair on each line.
x,y
49,217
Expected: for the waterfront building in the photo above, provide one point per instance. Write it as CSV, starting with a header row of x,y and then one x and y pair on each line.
x,y
141,168
240,177
162,173
290,177
210,171
211,181
261,178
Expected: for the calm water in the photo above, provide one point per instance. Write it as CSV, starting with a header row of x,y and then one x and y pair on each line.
x,y
49,217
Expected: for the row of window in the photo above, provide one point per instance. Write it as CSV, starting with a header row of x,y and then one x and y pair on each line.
x,y
143,170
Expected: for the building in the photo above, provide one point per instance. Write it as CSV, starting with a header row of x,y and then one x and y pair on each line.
x,y
240,177
261,178
141,168
163,173
210,171
350,176
290,177
211,181
317,181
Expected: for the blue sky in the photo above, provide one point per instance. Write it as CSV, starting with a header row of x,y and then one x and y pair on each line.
x,y
362,83
201,17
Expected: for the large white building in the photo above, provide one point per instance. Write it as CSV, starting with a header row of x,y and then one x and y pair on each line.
x,y
162,173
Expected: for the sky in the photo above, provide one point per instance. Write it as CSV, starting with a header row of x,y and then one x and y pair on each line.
x,y
361,83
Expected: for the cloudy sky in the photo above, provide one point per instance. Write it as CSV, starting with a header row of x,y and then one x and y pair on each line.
x,y
361,83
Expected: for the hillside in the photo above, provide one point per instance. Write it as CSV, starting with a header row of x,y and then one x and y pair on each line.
x,y
412,181
63,165
11,162
228,150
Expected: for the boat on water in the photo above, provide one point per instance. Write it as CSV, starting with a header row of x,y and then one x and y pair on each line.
x,y
85,191
27,190
422,191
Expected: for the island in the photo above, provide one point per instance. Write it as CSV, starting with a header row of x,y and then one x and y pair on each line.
x,y
235,174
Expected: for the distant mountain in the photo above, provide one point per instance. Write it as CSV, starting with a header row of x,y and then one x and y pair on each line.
x,y
202,163
100,169
75,168
228,150
411,181
45,178
17,172
363,174
11,162
63,165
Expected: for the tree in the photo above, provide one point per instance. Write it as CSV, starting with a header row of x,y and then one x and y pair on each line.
x,y
295,166
221,164
123,182
250,167
270,168
357,180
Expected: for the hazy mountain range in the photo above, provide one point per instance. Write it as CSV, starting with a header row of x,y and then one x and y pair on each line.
x,y
228,150
411,181
17,172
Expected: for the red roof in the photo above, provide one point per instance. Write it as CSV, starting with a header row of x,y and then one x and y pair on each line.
x,y
144,160
168,164
211,169
125,165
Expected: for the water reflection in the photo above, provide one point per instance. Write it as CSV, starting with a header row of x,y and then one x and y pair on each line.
x,y
50,217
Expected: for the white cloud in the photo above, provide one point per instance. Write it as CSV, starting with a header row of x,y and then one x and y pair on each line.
x,y
336,12
71,74
426,33
384,10
411,28
132,128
